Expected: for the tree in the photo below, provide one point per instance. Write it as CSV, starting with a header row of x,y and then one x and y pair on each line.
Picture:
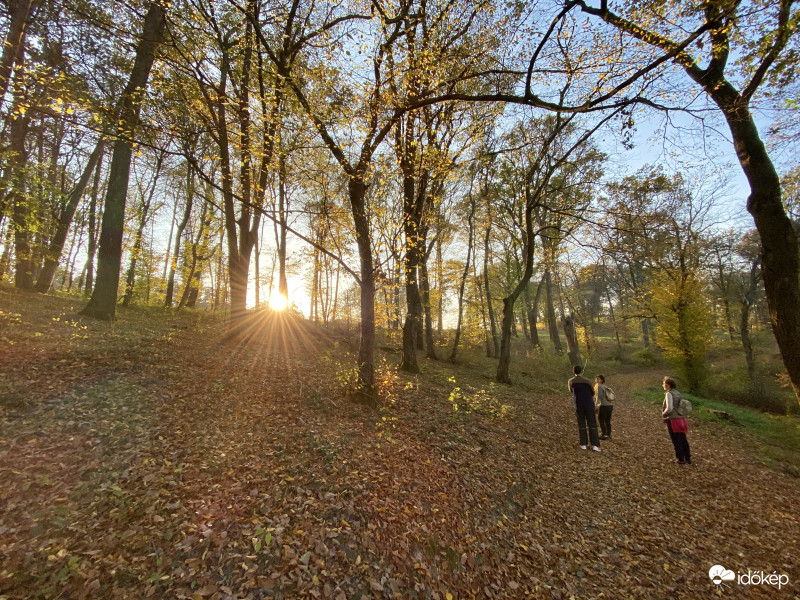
x,y
683,323
703,40
102,304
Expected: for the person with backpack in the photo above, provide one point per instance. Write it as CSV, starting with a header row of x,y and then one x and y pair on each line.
x,y
604,400
674,411
583,400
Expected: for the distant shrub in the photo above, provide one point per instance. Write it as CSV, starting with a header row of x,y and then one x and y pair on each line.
x,y
646,357
735,387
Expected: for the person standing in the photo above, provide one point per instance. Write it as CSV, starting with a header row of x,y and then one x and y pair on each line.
x,y
675,418
583,400
606,406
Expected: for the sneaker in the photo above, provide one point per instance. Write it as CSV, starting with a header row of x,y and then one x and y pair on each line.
x,y
596,448
604,437
583,447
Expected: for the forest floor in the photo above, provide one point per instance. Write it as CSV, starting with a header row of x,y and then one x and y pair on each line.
x,y
154,458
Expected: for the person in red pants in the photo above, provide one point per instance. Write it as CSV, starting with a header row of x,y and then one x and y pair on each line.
x,y
675,418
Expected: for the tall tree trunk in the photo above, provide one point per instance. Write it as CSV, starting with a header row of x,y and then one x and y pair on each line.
x,y
192,288
613,319
21,213
187,213
20,13
552,322
283,209
780,254
425,286
747,301
440,284
56,247
504,363
533,317
571,335
366,353
91,244
5,259
102,304
412,218
492,351
130,278
464,275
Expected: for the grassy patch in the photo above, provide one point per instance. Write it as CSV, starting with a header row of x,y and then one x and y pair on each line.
x,y
775,438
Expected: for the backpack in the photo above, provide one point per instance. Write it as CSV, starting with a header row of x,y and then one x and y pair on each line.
x,y
610,395
684,407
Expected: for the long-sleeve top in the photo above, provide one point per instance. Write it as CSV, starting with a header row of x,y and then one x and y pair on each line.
x,y
582,392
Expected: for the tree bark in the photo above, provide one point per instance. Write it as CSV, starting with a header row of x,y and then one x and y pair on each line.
x,y
102,304
780,255
365,393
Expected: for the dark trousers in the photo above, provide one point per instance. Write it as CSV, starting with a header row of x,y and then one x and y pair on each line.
x,y
605,420
680,442
586,420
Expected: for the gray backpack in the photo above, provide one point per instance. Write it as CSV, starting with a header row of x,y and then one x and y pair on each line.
x,y
684,407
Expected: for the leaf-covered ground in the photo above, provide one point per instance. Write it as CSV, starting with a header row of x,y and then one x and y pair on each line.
x,y
155,458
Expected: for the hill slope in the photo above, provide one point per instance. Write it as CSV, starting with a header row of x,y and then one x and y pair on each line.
x,y
158,458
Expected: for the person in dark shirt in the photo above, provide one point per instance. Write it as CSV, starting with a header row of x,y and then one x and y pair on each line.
x,y
583,399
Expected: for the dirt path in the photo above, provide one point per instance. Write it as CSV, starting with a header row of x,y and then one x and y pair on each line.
x,y
221,469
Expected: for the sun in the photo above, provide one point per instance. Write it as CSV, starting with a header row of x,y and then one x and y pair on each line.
x,y
278,302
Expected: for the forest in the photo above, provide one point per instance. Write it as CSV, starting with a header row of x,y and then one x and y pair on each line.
x,y
387,230
410,164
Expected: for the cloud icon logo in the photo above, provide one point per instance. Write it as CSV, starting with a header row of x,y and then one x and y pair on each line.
x,y
718,574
